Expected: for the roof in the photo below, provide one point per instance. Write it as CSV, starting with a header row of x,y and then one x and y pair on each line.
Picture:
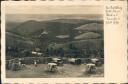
x,y
91,64
95,59
52,64
56,59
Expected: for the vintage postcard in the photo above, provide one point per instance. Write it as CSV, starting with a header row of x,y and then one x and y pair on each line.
x,y
64,42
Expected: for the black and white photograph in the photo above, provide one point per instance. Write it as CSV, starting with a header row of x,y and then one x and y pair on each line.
x,y
55,42
63,42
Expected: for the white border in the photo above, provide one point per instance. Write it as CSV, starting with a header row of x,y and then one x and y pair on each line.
x,y
115,67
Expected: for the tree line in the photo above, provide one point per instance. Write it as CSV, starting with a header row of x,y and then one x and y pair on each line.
x,y
72,51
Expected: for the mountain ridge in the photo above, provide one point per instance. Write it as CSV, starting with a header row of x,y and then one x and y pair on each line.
x,y
59,31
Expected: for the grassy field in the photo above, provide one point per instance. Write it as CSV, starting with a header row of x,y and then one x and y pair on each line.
x,y
68,70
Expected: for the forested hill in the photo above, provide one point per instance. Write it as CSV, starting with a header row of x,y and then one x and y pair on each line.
x,y
60,32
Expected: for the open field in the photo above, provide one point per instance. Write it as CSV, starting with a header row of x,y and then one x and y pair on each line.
x,y
68,70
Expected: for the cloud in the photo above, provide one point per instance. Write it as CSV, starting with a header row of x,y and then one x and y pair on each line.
x,y
54,9
44,17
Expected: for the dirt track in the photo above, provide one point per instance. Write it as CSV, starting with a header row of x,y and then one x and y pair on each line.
x,y
68,70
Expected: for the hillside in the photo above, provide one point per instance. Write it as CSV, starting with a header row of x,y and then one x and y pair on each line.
x,y
59,33
91,27
88,35
62,26
16,40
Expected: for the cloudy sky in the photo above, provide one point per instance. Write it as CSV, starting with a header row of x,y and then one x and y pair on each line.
x,y
54,9
44,17
23,12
